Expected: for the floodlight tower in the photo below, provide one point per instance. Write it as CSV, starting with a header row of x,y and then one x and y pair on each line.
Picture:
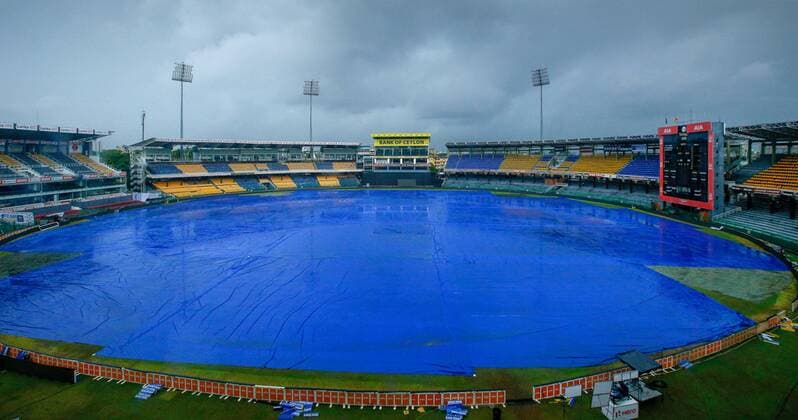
x,y
540,78
311,89
143,114
182,73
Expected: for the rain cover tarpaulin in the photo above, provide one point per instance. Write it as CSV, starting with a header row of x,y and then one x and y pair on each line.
x,y
373,281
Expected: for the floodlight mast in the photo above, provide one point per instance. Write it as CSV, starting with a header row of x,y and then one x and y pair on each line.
x,y
311,89
183,74
540,78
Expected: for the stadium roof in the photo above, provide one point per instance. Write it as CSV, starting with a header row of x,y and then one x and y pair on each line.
x,y
767,132
648,138
783,131
15,131
161,142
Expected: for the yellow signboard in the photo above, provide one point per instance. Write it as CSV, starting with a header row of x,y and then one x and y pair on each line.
x,y
401,139
401,142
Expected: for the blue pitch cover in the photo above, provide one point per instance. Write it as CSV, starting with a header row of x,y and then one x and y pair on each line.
x,y
432,282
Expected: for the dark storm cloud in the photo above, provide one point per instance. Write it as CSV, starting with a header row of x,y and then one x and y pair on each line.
x,y
457,69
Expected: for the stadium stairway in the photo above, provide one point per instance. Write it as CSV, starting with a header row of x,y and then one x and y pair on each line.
x,y
567,163
542,164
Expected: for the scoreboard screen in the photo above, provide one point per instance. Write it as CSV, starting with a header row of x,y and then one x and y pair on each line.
x,y
687,167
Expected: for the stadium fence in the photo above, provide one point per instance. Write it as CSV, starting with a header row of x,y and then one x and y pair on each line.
x,y
267,393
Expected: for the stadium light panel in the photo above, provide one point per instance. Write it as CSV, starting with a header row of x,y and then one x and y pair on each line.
x,y
311,88
183,73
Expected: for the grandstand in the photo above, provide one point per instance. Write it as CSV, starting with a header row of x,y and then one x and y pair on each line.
x,y
40,164
196,167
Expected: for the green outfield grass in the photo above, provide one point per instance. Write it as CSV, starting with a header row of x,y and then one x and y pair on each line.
x,y
19,262
755,381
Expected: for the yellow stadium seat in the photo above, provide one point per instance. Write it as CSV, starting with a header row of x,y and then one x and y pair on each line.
x,y
282,182
242,167
191,168
344,166
519,163
84,160
328,180
300,166
783,175
599,164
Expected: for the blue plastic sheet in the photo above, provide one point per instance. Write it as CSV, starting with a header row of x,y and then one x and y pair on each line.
x,y
373,281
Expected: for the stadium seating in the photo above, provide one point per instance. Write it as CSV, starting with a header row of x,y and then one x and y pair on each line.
x,y
542,164
518,163
277,166
642,166
305,181
191,168
349,181
762,222
163,169
343,166
44,160
227,185
35,165
5,172
474,163
781,176
568,162
301,166
754,167
250,184
600,164
217,167
261,167
243,167
70,163
87,161
183,189
282,182
328,180
324,165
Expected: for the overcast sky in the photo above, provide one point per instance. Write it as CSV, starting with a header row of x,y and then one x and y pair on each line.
x,y
458,69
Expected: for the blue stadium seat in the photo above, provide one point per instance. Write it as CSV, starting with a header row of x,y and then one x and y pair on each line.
x,y
305,181
642,166
489,163
324,165
163,169
250,184
276,166
217,167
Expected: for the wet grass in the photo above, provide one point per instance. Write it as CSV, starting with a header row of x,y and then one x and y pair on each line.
x,y
755,381
12,263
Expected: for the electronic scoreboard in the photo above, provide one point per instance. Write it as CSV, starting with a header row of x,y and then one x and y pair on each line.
x,y
690,163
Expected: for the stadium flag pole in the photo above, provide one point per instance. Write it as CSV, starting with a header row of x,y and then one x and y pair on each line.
x,y
540,78
143,114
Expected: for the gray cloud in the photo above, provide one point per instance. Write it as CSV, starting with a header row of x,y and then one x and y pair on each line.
x,y
459,69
